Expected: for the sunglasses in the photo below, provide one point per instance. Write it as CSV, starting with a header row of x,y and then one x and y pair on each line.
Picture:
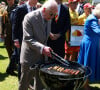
x,y
73,2
51,14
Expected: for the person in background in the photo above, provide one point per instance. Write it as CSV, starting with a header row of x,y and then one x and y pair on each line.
x,y
7,33
38,5
3,13
60,24
36,30
87,11
71,52
66,4
17,28
89,54
20,2
73,13
80,6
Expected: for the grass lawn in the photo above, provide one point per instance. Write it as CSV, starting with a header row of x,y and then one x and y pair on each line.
x,y
8,82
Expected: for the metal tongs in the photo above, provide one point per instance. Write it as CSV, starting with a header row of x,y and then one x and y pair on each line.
x,y
59,59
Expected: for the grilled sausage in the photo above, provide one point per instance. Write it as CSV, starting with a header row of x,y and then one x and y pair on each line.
x,y
74,71
50,68
70,71
66,70
77,72
55,67
61,69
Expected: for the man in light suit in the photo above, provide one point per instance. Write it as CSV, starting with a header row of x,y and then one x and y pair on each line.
x,y
34,49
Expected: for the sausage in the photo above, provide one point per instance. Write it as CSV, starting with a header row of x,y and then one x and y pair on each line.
x,y
73,72
77,72
50,68
55,67
61,69
66,70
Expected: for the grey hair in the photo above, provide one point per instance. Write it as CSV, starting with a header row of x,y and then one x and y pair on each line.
x,y
49,4
96,10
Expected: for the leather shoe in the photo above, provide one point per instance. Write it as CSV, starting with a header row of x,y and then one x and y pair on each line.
x,y
11,73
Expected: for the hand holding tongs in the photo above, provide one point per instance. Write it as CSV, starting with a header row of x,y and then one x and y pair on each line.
x,y
59,59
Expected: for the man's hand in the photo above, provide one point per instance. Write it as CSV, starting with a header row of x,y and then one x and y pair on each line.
x,y
68,44
54,36
17,44
1,36
47,51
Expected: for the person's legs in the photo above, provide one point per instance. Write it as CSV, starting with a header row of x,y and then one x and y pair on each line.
x,y
8,46
37,81
26,77
73,56
19,70
18,61
12,66
67,56
12,59
86,85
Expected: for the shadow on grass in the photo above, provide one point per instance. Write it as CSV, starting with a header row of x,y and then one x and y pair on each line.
x,y
2,46
3,76
92,88
2,57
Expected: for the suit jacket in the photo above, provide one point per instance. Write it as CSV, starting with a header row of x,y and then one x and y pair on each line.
x,y
34,38
63,23
60,27
17,29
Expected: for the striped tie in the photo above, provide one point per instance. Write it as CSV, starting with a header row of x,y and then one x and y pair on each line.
x,y
56,17
31,8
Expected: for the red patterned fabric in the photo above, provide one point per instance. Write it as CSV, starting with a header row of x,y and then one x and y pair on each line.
x,y
56,18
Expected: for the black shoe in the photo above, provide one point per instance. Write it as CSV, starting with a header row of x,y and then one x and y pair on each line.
x,y
11,73
16,68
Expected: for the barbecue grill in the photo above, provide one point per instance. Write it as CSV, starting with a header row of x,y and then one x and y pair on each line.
x,y
59,80
63,74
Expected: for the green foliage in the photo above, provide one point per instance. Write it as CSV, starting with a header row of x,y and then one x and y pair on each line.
x,y
3,1
41,1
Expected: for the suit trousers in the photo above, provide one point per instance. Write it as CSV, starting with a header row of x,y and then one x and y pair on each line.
x,y
27,75
10,48
9,45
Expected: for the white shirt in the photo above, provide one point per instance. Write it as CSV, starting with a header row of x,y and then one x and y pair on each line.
x,y
28,6
77,7
59,6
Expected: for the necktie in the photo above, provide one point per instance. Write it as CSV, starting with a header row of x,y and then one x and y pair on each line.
x,y
34,8
56,18
80,11
31,8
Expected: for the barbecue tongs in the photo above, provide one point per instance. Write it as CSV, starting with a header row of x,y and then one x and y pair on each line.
x,y
59,59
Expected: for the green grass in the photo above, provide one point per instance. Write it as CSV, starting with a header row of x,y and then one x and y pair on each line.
x,y
8,82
